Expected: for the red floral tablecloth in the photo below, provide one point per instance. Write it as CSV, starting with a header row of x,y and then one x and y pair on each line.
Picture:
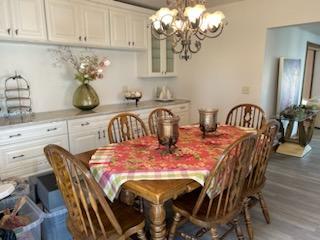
x,y
142,159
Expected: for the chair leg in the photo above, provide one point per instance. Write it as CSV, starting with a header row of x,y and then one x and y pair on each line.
x,y
247,218
173,229
264,208
141,235
238,229
214,233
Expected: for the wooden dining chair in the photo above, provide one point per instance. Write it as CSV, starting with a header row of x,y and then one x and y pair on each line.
x,y
225,184
154,115
90,215
246,115
256,178
126,126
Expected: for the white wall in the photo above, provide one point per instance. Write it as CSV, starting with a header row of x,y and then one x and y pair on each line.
x,y
216,75
289,42
52,88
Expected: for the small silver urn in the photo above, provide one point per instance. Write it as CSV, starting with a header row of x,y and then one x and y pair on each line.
x,y
168,131
208,120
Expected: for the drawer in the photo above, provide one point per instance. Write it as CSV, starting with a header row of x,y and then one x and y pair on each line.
x,y
40,131
87,124
179,108
23,156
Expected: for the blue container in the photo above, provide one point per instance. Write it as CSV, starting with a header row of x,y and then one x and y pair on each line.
x,y
54,225
33,230
48,192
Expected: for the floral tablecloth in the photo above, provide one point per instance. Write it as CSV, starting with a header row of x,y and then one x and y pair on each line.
x,y
142,159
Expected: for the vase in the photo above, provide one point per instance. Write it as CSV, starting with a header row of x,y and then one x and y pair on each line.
x,y
85,97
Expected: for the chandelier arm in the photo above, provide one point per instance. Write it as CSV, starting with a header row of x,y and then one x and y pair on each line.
x,y
217,33
154,33
198,47
175,45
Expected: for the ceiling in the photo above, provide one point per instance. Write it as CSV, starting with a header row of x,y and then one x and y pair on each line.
x,y
156,4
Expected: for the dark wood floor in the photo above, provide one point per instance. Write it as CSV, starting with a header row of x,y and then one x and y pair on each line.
x,y
293,196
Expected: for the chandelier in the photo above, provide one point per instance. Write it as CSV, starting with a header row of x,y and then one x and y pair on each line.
x,y
186,23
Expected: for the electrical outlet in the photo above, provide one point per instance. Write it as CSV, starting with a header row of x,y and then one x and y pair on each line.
x,y
245,90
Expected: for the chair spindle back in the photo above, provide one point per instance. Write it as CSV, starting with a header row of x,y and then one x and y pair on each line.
x,y
262,153
87,207
153,117
126,126
225,182
246,115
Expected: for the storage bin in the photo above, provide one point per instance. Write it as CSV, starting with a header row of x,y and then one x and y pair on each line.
x,y
48,192
33,182
54,225
33,230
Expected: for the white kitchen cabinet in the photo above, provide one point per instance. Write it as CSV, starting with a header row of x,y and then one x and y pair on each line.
x,y
128,30
5,19
29,19
88,133
86,141
77,22
21,148
159,60
139,31
22,20
63,21
95,25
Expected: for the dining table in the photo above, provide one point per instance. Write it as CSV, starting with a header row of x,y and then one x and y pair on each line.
x,y
143,168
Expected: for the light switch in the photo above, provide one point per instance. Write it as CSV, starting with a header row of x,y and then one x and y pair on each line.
x,y
245,90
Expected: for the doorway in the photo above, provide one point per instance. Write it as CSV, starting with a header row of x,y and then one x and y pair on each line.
x,y
311,83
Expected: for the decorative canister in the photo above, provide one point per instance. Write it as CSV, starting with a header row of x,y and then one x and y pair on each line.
x,y
168,131
208,120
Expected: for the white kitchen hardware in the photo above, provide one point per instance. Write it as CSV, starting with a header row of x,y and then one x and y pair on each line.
x,y
22,20
128,30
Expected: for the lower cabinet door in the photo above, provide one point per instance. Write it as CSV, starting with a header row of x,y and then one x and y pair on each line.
x,y
25,159
85,141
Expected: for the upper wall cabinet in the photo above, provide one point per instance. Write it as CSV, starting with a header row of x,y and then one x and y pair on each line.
x,y
128,30
62,19
95,22
22,20
77,23
159,61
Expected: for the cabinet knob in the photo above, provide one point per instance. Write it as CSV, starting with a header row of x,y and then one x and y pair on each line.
x,y
9,31
104,133
99,135
85,124
132,43
85,38
17,31
129,43
80,38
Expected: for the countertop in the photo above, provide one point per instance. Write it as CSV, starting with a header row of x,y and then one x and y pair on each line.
x,y
69,114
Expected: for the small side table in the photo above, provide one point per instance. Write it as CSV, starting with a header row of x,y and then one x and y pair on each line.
x,y
297,146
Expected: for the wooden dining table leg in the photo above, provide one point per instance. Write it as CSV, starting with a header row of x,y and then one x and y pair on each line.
x,y
157,218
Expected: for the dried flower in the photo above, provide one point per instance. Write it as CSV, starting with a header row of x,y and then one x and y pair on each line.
x,y
88,68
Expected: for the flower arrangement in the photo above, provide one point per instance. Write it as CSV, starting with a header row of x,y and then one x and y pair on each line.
x,y
87,68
